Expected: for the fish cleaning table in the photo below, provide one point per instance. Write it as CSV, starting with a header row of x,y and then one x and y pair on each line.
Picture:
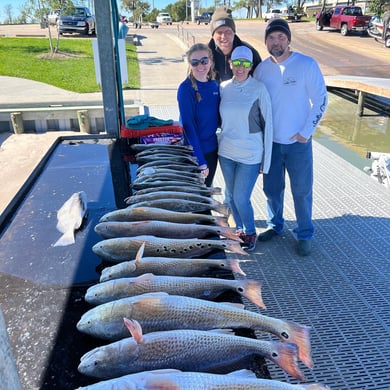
x,y
43,287
42,294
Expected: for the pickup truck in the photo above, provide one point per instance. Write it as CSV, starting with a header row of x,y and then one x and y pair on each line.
x,y
205,18
164,17
345,19
272,14
76,20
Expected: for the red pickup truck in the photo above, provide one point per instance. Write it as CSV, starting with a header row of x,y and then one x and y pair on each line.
x,y
345,19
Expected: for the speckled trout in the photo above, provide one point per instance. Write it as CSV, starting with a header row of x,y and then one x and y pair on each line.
x,y
160,311
205,288
181,380
120,249
187,350
114,229
156,214
169,266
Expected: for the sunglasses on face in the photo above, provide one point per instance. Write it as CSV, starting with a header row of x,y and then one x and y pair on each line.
x,y
203,61
245,63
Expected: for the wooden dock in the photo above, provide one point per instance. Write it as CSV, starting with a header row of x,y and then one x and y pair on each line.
x,y
362,85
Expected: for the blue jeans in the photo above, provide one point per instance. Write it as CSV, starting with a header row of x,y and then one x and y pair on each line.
x,y
297,160
240,180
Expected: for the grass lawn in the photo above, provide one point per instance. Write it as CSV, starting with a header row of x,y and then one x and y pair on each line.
x,y
71,69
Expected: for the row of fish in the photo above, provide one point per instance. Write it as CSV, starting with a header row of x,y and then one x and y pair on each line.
x,y
157,291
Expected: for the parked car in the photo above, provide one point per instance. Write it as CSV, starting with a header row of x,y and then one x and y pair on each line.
x,y
164,17
205,18
77,20
273,14
52,17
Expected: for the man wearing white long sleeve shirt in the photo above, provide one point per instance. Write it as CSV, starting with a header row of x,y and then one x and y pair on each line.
x,y
299,99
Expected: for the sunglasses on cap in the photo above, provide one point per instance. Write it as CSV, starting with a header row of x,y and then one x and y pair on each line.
x,y
245,63
203,61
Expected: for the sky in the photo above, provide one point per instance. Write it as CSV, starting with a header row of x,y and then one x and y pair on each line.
x,y
17,5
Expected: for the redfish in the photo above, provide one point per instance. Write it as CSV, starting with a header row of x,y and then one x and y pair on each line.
x,y
160,311
206,288
185,380
187,350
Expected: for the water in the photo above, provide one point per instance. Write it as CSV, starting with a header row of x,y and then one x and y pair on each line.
x,y
351,136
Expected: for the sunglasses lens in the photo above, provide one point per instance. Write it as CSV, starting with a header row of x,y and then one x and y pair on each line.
x,y
245,64
203,61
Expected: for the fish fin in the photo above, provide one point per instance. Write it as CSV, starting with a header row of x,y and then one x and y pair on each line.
x,y
299,335
160,383
135,329
139,254
251,289
243,374
285,355
149,299
235,267
66,239
144,278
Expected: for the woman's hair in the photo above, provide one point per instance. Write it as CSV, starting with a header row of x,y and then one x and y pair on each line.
x,y
211,73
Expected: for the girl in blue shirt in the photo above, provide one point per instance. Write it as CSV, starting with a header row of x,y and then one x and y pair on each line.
x,y
198,99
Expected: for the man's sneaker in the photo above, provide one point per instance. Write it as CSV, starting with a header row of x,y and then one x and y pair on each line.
x,y
267,235
304,247
250,242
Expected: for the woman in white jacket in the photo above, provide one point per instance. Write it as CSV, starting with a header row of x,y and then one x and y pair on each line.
x,y
245,142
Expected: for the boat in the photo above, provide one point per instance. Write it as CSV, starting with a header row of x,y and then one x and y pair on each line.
x,y
380,167
375,30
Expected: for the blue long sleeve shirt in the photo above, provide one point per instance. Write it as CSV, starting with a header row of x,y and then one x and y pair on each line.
x,y
200,120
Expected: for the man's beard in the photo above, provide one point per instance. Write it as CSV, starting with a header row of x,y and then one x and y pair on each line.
x,y
277,52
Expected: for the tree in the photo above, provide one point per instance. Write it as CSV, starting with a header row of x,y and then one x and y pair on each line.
x,y
8,10
139,8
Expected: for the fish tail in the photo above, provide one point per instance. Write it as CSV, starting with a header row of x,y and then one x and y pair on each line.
x,y
300,335
285,355
221,221
66,239
229,232
234,246
216,191
221,208
235,267
251,289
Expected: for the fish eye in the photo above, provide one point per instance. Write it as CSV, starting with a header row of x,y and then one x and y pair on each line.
x,y
285,335
240,289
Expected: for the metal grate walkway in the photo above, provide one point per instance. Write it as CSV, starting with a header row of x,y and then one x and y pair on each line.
x,y
342,289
